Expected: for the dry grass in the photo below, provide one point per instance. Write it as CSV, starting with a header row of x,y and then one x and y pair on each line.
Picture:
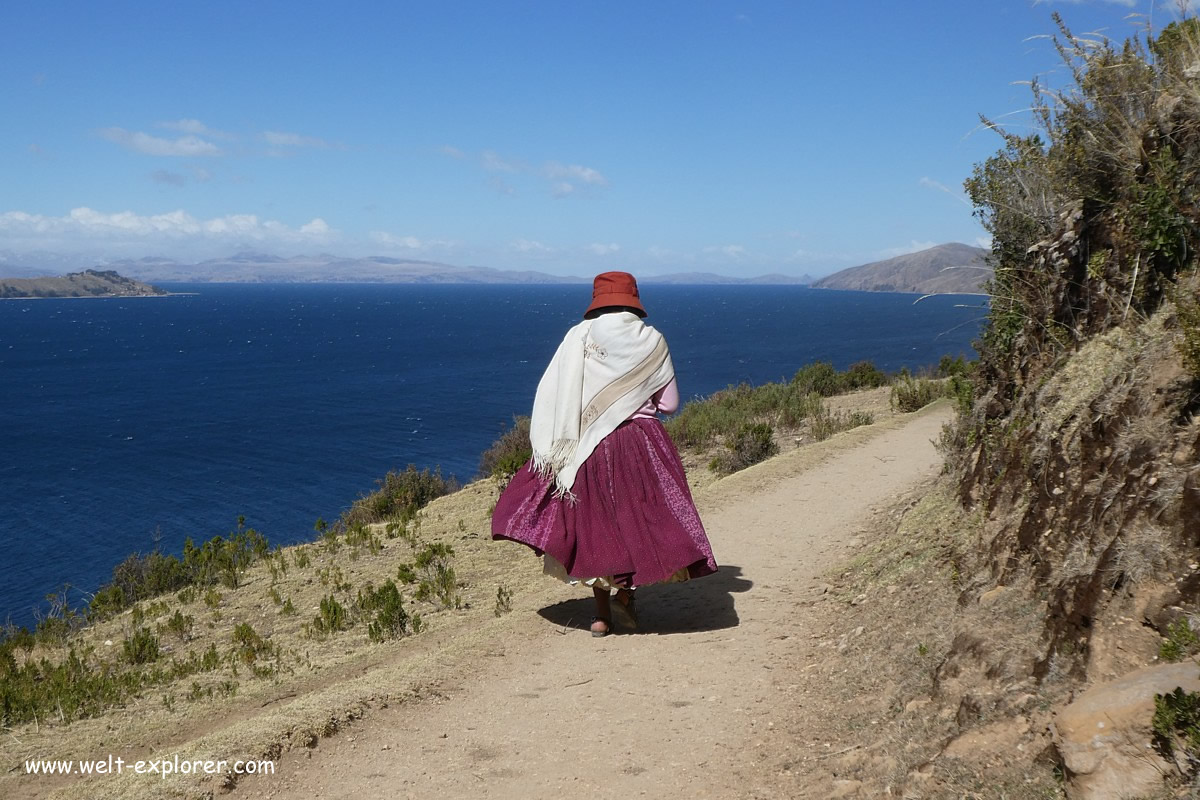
x,y
922,693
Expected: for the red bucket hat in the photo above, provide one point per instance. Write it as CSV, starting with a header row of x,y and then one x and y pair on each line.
x,y
615,289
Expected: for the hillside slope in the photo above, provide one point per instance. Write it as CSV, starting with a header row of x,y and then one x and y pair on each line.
x,y
947,268
89,283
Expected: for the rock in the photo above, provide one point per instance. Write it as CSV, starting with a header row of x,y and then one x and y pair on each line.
x,y
1105,739
991,596
916,704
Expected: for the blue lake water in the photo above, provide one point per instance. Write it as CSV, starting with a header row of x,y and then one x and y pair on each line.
x,y
126,419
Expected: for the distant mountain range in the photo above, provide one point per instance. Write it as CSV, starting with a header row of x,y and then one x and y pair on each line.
x,y
89,283
945,268
253,267
948,268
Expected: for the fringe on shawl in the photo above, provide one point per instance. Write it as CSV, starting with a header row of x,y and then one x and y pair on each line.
x,y
548,465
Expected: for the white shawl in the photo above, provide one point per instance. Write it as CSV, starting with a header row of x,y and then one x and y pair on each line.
x,y
603,371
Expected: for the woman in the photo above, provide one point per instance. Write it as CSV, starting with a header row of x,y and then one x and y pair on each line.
x,y
604,497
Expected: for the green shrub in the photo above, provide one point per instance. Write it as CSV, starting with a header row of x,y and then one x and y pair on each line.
x,y
332,617
1180,642
1177,722
399,497
913,394
508,453
434,576
248,645
180,624
141,647
390,619
753,443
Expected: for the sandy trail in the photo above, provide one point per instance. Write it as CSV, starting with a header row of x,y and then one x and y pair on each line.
x,y
685,706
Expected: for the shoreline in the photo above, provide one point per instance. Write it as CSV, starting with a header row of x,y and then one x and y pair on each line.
x,y
107,296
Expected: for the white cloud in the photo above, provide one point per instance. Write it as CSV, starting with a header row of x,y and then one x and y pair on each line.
x,y
155,146
530,246
201,175
604,249
194,127
453,152
492,162
575,172
88,227
284,139
394,242
561,190
36,149
912,247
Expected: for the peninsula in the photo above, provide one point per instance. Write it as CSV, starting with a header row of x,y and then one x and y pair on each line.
x,y
89,283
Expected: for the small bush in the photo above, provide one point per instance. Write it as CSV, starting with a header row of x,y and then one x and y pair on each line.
x,y
390,619
508,453
827,424
1177,721
503,601
436,581
141,647
249,646
1180,642
753,443
913,394
399,497
332,617
180,624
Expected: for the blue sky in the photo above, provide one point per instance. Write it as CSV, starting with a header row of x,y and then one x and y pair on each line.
x,y
567,137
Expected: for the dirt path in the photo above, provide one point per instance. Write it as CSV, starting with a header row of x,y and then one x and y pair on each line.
x,y
684,707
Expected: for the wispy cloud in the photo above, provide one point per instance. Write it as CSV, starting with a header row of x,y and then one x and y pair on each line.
x,y
734,251
563,180
139,142
575,173
493,162
393,242
87,227
194,127
601,249
452,152
530,246
284,139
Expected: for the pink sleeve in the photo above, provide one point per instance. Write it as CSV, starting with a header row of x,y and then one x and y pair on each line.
x,y
666,399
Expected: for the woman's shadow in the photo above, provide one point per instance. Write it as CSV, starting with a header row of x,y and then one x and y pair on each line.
x,y
702,604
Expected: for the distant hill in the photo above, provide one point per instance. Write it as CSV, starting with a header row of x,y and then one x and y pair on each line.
x,y
89,283
252,267
947,268
258,267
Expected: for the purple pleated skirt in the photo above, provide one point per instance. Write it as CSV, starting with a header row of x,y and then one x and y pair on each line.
x,y
632,523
